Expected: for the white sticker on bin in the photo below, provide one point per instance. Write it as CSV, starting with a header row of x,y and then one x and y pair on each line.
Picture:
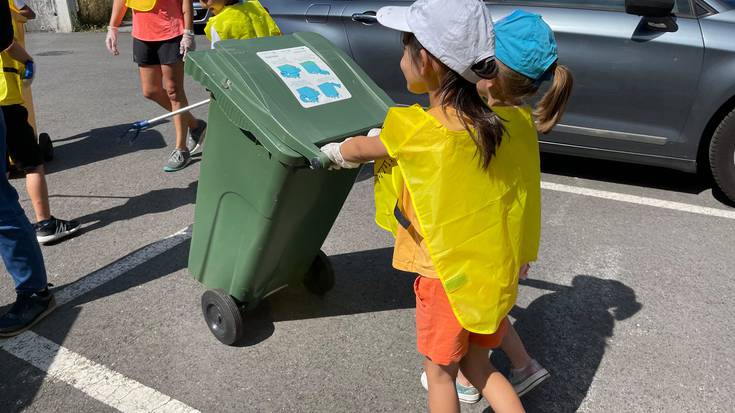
x,y
311,81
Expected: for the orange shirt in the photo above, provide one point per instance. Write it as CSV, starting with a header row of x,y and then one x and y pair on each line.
x,y
165,21
410,253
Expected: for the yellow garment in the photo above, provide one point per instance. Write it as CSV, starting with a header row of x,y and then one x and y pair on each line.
x,y
11,85
241,21
479,226
141,5
19,37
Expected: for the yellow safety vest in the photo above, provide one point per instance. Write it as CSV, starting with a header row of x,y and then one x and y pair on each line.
x,y
242,21
11,85
141,5
480,226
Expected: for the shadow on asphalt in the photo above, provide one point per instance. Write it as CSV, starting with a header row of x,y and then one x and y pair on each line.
x,y
153,202
567,332
100,144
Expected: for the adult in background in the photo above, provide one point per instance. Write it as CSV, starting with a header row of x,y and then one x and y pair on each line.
x,y
162,35
18,246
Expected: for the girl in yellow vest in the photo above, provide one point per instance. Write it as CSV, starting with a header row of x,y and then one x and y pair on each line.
x,y
234,19
459,184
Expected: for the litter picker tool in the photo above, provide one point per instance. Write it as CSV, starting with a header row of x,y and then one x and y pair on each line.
x,y
134,130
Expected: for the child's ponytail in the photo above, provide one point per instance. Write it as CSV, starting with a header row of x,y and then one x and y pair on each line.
x,y
551,107
485,126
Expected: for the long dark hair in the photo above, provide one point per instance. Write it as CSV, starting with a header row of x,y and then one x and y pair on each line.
x,y
484,126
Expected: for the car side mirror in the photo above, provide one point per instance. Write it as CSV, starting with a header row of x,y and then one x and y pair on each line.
x,y
649,8
657,15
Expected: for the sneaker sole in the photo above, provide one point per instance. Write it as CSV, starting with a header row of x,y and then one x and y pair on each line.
x,y
462,397
530,383
167,169
43,239
35,321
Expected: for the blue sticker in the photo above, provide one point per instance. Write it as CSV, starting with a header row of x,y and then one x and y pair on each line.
x,y
308,94
330,89
313,68
290,71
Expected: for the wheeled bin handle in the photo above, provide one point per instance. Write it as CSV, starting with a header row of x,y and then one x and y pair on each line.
x,y
321,161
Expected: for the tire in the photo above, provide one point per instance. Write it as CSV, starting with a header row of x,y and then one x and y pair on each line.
x,y
320,277
44,141
722,156
223,316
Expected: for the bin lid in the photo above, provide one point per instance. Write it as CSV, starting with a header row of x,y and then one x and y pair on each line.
x,y
293,93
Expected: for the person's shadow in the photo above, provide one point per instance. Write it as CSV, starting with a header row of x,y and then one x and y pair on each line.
x,y
567,332
159,200
99,144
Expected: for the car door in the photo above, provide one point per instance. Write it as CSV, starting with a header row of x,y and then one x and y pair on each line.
x,y
633,87
377,49
318,16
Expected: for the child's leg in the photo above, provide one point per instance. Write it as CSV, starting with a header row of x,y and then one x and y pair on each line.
x,y
494,386
442,392
38,193
514,349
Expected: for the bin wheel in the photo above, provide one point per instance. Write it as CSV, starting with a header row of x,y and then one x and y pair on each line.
x,y
47,147
223,316
320,277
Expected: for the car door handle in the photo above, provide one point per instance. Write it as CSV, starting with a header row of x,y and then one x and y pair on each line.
x,y
368,17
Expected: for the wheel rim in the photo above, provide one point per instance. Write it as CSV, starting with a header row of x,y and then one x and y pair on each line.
x,y
215,320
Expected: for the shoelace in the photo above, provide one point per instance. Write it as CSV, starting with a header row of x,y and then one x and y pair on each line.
x,y
176,156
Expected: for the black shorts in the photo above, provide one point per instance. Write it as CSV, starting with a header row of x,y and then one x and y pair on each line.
x,y
164,52
21,140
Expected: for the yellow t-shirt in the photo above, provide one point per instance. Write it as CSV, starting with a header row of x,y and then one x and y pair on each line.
x,y
11,85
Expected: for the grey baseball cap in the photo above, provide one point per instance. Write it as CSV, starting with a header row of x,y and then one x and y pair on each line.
x,y
457,32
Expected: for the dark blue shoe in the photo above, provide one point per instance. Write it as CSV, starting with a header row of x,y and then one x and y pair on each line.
x,y
29,309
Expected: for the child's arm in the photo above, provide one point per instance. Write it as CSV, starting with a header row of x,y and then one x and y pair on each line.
x,y
354,151
27,12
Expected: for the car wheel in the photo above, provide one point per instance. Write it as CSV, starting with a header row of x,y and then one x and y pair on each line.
x,y
722,156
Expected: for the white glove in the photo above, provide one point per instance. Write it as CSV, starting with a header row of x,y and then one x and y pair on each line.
x,y
187,42
111,40
374,132
332,150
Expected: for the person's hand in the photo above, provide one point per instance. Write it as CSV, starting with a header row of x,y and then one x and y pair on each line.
x,y
187,43
111,40
523,272
29,73
333,152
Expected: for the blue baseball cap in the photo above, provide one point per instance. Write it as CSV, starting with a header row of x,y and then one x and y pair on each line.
x,y
525,43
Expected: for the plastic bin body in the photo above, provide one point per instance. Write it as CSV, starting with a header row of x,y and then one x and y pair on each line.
x,y
262,209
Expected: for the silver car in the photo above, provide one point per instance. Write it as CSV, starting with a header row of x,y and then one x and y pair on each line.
x,y
654,79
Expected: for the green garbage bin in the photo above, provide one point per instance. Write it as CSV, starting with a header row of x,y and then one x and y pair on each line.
x,y
265,201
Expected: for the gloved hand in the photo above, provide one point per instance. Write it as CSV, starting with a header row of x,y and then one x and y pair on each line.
x,y
111,40
187,42
29,73
332,150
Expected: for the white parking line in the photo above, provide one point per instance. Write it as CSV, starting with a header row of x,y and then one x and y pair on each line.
x,y
95,380
640,200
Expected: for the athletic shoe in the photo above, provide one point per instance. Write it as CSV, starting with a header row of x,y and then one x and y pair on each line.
x,y
53,229
466,394
177,160
27,310
527,378
195,138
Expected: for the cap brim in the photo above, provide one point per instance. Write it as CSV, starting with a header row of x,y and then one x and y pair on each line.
x,y
394,17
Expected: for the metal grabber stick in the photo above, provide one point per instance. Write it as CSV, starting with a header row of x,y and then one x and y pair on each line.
x,y
141,125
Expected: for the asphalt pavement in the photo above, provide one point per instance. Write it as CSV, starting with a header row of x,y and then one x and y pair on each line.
x,y
629,306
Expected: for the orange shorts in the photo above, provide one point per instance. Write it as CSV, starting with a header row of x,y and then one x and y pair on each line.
x,y
439,335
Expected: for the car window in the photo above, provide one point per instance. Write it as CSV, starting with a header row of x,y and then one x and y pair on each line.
x,y
681,7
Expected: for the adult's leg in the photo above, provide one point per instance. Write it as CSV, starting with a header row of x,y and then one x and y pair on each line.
x,y
173,84
492,384
442,392
18,245
152,85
